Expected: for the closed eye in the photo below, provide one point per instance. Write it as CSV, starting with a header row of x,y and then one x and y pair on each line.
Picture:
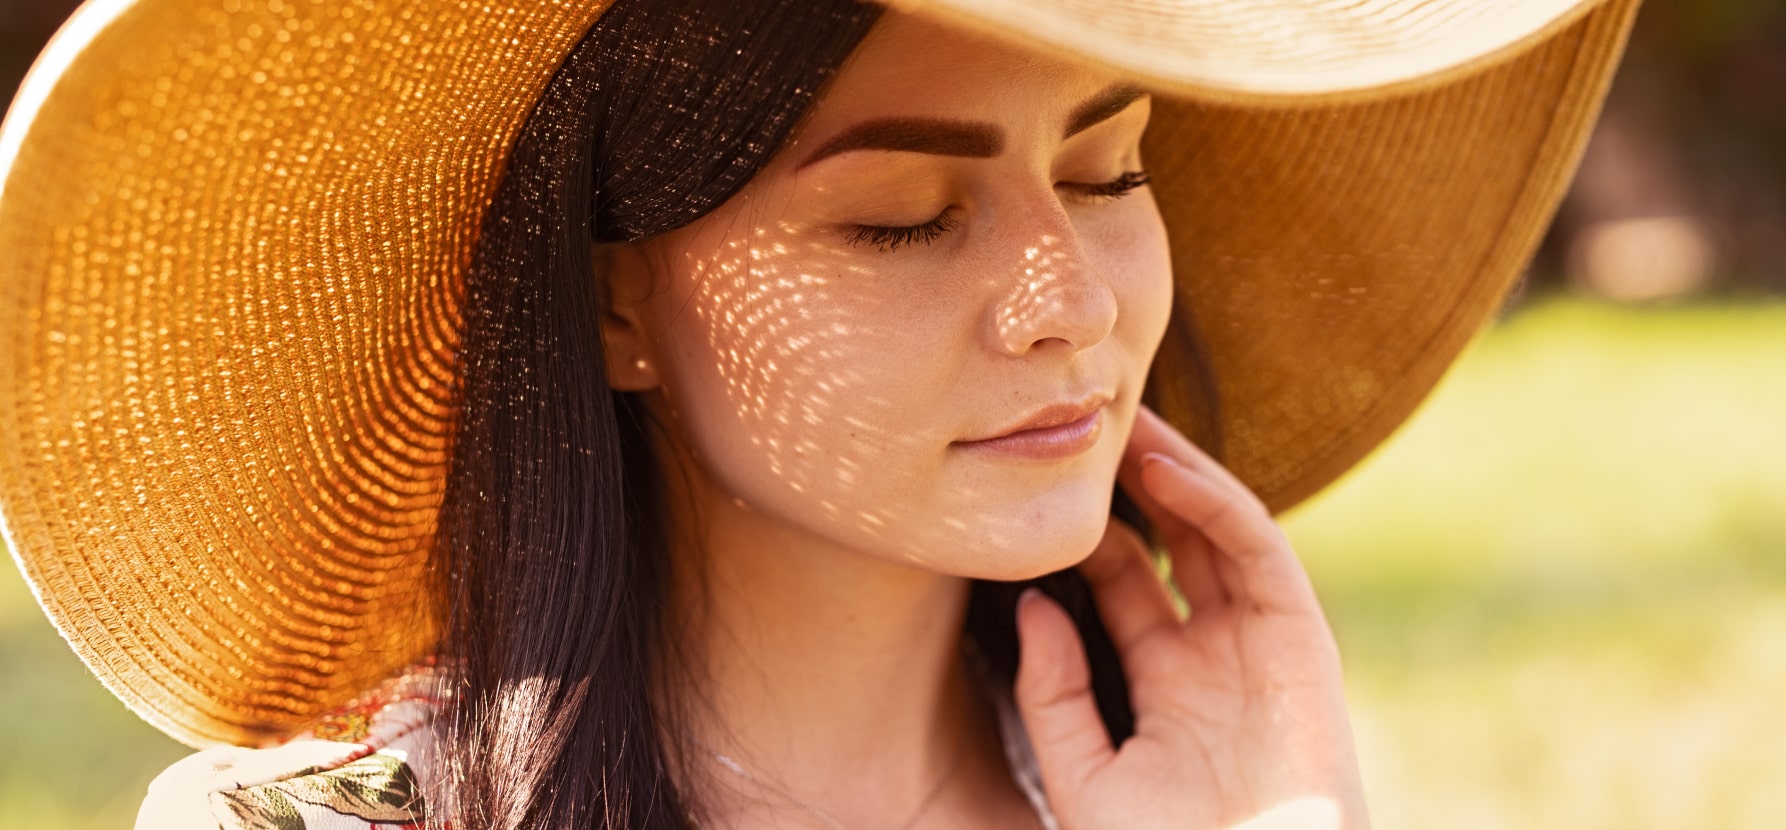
x,y
889,239
1106,191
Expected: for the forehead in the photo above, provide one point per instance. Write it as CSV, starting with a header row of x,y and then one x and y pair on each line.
x,y
910,66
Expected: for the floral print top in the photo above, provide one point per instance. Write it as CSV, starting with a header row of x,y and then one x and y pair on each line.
x,y
358,768
361,768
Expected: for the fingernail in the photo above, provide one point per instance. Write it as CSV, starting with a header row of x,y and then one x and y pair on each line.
x,y
1159,458
1029,595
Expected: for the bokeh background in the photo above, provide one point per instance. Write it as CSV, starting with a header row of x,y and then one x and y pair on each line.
x,y
1560,590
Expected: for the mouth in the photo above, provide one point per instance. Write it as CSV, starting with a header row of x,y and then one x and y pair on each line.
x,y
1052,433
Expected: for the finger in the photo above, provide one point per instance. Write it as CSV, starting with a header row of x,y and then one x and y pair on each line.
x,y
1196,569
1194,558
1152,434
1132,600
1054,697
1266,571
1177,533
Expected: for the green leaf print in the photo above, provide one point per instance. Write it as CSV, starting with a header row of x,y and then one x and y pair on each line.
x,y
259,808
377,787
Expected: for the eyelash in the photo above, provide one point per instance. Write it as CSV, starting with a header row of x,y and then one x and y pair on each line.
x,y
890,239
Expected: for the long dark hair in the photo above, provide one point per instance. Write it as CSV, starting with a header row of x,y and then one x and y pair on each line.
x,y
553,556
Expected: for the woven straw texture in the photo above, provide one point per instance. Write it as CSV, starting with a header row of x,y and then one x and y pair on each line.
x,y
1276,52
232,234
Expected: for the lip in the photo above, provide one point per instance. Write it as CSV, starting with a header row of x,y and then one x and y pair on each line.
x,y
1054,432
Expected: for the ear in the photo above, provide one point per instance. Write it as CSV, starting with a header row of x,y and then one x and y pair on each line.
x,y
626,341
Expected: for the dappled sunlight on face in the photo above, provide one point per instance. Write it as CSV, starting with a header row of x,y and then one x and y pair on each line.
x,y
834,338
1038,304
777,328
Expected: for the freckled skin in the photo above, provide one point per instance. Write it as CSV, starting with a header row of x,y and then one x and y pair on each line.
x,y
815,396
825,383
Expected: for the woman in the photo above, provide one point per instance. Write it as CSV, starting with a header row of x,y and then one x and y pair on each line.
x,y
681,399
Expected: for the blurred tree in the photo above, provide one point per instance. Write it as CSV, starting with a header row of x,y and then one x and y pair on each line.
x,y
1691,151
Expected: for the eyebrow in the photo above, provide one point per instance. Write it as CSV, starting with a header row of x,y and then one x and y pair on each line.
x,y
1102,107
970,139
967,139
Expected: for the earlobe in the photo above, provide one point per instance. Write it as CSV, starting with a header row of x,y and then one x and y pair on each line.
x,y
626,342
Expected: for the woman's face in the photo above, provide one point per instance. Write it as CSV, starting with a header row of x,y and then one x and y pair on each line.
x,y
956,244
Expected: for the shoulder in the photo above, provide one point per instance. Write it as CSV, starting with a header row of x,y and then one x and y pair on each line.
x,y
361,767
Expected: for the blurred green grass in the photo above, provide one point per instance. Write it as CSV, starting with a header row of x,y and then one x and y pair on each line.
x,y
71,756
1560,591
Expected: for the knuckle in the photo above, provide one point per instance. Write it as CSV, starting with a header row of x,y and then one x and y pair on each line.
x,y
1220,511
1053,697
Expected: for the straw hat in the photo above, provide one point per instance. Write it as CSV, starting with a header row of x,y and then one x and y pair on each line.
x,y
232,234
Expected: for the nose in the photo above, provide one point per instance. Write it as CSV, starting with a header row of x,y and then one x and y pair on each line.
x,y
1056,299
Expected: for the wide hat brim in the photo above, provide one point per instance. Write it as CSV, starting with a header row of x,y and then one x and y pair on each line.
x,y
232,239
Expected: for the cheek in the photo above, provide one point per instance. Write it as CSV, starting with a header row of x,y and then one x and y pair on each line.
x,y
825,397
1137,260
803,389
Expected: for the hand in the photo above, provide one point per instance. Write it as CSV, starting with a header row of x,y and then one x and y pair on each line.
x,y
1240,715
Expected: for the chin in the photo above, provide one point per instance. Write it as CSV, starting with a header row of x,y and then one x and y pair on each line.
x,y
1031,549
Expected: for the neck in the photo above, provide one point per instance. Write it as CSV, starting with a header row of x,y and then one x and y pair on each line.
x,y
831,677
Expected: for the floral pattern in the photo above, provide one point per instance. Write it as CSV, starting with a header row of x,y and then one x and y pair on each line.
x,y
358,768
378,789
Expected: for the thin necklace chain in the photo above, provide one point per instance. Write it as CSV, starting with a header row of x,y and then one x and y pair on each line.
x,y
830,821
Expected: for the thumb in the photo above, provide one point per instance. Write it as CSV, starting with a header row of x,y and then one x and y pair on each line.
x,y
1054,697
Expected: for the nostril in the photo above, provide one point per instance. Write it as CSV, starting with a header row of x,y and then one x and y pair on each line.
x,y
1074,314
1053,294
